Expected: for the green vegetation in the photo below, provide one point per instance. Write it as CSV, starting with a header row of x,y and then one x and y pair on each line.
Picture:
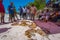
x,y
40,4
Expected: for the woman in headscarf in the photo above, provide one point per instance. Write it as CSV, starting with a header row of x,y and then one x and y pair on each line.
x,y
2,11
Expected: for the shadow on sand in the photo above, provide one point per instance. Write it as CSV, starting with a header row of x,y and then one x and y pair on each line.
x,y
2,30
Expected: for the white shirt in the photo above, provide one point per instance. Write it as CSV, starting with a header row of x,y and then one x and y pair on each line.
x,y
24,10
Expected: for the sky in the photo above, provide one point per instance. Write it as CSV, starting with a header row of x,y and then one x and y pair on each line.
x,y
47,1
17,3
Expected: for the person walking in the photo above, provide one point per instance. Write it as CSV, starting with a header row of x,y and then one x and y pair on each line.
x,y
15,13
33,11
24,13
11,12
2,12
28,12
21,12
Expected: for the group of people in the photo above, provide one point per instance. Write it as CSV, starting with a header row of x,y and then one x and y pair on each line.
x,y
26,12
49,15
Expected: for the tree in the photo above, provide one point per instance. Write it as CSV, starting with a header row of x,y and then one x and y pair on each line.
x,y
40,4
